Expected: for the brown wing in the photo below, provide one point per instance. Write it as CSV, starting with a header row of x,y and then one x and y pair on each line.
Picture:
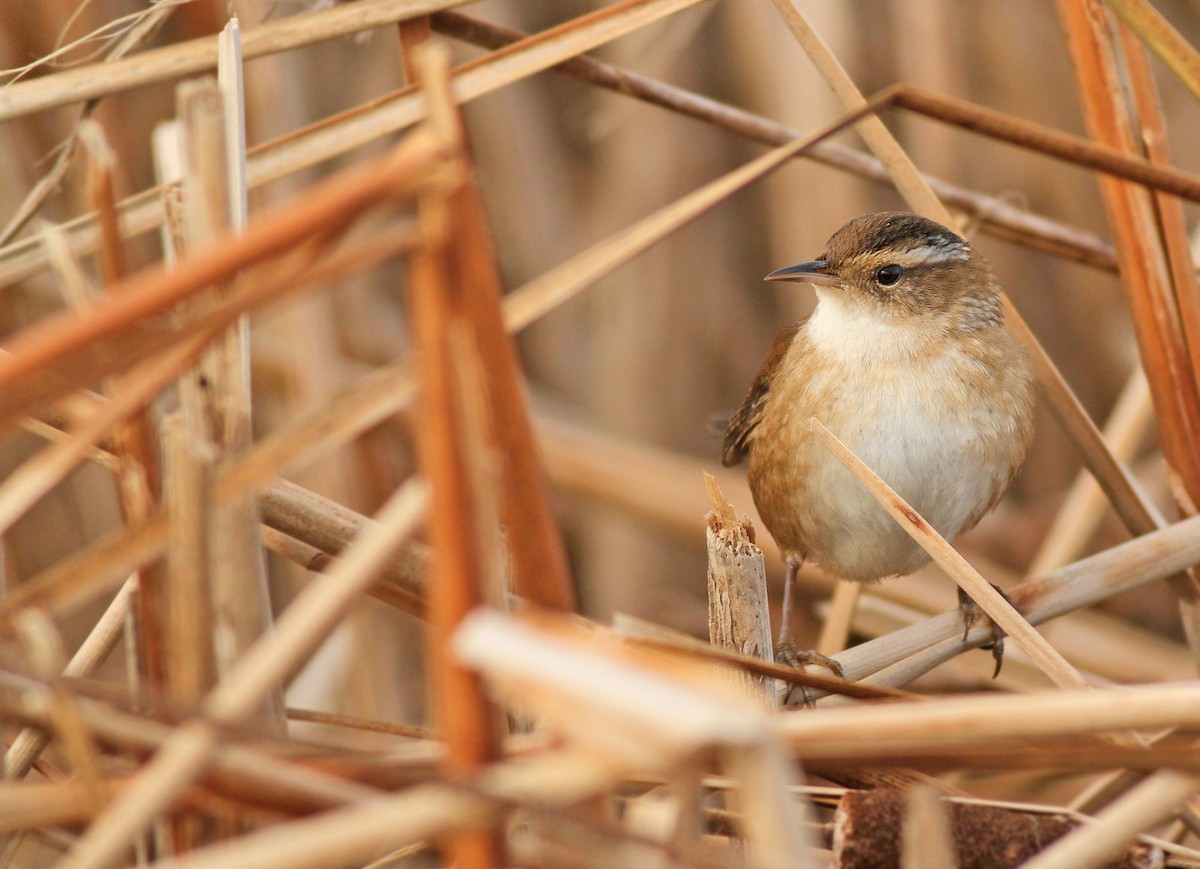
x,y
737,432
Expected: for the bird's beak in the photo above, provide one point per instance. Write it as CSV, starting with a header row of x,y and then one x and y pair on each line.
x,y
815,272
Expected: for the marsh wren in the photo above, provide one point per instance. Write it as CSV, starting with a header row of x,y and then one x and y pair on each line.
x,y
907,360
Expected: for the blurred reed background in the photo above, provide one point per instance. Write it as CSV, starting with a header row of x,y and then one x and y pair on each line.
x,y
626,378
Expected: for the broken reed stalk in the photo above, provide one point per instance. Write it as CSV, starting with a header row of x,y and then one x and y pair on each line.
x,y
739,617
215,393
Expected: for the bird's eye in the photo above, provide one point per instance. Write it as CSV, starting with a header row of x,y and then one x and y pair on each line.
x,y
889,274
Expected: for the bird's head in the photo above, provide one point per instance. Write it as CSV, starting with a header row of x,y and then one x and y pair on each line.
x,y
903,266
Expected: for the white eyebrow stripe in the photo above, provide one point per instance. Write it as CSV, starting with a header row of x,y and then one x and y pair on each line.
x,y
931,254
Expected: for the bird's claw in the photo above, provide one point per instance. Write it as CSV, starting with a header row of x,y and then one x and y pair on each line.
x,y
970,610
787,653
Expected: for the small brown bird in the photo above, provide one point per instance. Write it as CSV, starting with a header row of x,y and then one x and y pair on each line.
x,y
907,360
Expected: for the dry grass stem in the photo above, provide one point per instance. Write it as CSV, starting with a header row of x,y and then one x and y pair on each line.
x,y
900,167
335,136
29,743
1163,39
1083,507
1154,800
466,721
836,630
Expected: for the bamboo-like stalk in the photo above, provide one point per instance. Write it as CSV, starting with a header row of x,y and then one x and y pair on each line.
x,y
975,719
311,558
331,528
1149,558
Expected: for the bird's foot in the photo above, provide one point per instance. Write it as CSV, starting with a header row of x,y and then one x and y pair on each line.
x,y
787,653
970,610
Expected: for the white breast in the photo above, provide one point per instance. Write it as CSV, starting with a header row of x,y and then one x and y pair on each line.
x,y
902,415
